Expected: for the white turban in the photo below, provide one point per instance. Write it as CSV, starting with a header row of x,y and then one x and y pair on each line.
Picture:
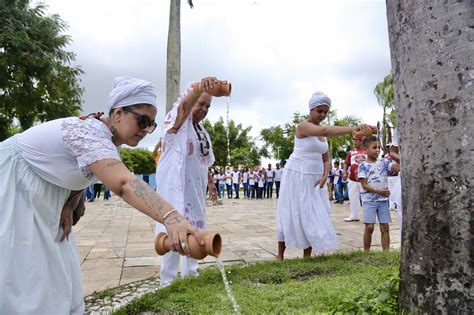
x,y
318,99
128,91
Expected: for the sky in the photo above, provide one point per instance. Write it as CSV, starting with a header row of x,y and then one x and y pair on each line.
x,y
275,53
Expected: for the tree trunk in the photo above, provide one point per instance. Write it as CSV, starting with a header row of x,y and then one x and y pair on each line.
x,y
432,51
173,66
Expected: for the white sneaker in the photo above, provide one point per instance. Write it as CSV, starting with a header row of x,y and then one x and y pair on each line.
x,y
351,220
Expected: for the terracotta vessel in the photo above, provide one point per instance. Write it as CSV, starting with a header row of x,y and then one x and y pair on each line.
x,y
221,88
212,245
372,131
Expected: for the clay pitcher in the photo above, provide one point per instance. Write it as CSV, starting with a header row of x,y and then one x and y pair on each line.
x,y
212,245
221,88
372,131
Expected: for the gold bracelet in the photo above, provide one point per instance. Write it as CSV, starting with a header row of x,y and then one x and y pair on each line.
x,y
167,215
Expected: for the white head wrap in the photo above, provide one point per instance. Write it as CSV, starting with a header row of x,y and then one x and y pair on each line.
x,y
318,99
128,91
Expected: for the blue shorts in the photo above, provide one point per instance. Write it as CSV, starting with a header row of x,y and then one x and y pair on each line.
x,y
379,209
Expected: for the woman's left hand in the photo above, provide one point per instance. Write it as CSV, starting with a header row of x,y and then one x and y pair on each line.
x,y
65,221
321,182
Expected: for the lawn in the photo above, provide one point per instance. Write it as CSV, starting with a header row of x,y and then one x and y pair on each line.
x,y
352,282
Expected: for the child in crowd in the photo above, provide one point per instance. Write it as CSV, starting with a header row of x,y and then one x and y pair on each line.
x,y
221,181
228,183
337,172
373,178
345,189
252,182
245,181
330,183
261,184
236,178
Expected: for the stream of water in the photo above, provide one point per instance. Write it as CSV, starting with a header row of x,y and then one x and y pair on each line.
x,y
231,296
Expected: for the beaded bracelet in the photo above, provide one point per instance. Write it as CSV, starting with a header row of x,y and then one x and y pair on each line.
x,y
167,215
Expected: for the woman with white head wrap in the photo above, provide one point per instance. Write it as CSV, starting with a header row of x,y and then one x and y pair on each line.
x,y
303,219
43,168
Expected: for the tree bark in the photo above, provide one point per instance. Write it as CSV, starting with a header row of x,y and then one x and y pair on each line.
x,y
173,65
432,52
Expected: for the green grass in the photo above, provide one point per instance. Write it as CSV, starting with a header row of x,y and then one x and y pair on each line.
x,y
344,283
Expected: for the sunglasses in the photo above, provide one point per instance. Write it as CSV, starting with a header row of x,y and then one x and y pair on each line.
x,y
143,120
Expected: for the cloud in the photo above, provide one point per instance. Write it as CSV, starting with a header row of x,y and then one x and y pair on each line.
x,y
276,53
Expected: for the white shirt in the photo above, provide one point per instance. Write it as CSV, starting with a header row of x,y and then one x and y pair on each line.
x,y
245,177
228,179
221,180
269,174
252,178
278,173
235,177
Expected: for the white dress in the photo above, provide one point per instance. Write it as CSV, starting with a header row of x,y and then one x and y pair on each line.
x,y
39,167
181,179
303,211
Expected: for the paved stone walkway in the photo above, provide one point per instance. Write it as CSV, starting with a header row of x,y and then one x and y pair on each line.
x,y
116,242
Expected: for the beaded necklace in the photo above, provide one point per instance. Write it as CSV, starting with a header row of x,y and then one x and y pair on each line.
x,y
203,141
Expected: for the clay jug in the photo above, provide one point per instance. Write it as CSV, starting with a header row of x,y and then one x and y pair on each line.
x,y
373,130
221,88
212,245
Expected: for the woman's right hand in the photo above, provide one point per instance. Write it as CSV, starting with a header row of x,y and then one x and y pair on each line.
x,y
364,130
178,229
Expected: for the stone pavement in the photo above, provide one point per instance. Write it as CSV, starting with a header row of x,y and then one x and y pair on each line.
x,y
116,242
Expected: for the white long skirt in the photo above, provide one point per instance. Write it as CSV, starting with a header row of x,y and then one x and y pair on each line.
x,y
303,212
38,273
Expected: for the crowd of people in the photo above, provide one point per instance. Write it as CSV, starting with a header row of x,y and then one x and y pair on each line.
x,y
255,182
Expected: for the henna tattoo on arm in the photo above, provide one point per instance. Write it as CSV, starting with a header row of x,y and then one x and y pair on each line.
x,y
110,164
152,200
174,220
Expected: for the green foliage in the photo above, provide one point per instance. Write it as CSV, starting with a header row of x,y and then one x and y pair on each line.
x,y
384,91
37,81
339,146
280,140
139,161
242,148
316,285
381,300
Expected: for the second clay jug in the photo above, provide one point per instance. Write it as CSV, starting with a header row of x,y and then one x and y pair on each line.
x,y
212,245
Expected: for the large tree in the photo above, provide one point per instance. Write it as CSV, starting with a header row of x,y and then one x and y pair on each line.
x,y
37,80
431,44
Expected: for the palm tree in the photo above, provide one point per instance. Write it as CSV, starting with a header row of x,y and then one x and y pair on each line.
x,y
339,146
432,59
173,65
384,93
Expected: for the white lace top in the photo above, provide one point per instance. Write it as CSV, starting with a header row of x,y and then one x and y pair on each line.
x,y
61,150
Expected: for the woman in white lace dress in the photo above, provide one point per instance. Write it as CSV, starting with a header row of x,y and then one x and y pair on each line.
x,y
41,168
303,211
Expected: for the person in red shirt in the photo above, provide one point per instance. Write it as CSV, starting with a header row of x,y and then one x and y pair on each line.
x,y
354,158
